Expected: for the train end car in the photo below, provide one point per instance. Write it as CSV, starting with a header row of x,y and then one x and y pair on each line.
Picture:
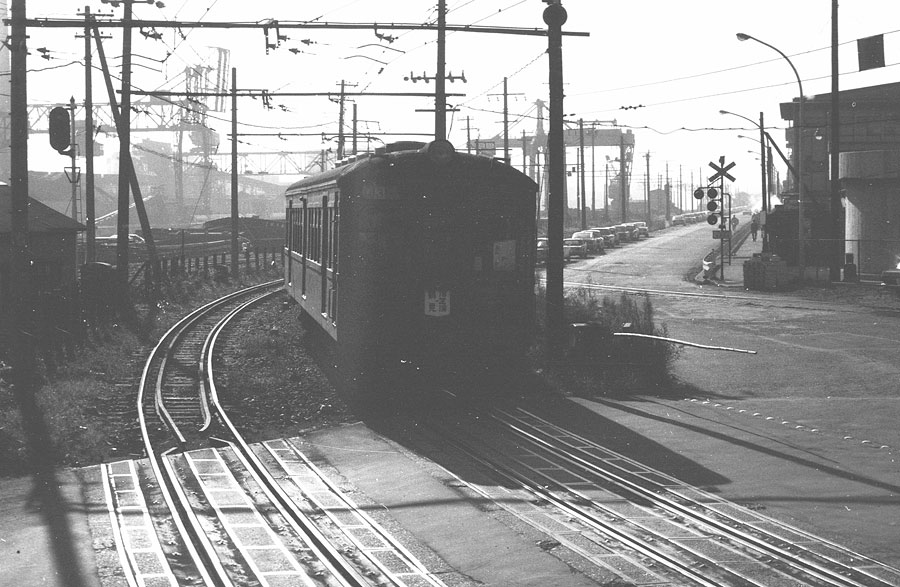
x,y
415,260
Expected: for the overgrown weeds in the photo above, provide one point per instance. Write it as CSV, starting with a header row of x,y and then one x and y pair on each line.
x,y
601,355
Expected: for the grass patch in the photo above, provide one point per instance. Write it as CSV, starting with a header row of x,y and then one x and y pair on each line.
x,y
595,360
83,409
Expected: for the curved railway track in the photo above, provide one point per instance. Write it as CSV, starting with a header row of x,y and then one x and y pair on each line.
x,y
596,501
209,509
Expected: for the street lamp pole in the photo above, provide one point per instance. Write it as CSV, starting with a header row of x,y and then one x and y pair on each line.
x,y
762,164
799,147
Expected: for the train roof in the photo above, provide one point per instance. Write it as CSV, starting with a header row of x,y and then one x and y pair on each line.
x,y
395,151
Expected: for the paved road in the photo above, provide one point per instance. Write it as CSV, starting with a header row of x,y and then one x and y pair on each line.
x,y
807,429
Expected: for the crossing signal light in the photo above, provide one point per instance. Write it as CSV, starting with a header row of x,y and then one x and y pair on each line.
x,y
60,130
699,193
713,205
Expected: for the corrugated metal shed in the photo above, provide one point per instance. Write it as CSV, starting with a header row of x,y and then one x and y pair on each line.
x,y
41,218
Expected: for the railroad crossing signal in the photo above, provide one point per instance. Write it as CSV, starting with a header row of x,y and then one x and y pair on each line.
x,y
713,205
721,170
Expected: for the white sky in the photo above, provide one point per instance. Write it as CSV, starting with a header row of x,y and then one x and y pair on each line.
x,y
680,60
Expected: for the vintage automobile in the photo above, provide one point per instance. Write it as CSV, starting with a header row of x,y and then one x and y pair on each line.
x,y
643,230
543,251
594,239
576,246
610,236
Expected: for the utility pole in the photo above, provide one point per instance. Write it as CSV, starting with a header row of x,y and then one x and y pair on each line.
x,y
606,195
764,170
468,134
647,175
355,122
581,174
124,131
837,228
668,195
340,145
19,311
593,176
555,16
524,154
440,97
131,176
89,212
623,179
235,225
506,121
73,153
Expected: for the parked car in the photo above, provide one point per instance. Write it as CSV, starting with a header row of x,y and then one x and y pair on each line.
x,y
679,220
594,239
625,232
643,230
577,247
610,236
542,252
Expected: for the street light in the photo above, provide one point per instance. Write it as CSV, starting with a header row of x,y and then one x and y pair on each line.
x,y
799,133
764,192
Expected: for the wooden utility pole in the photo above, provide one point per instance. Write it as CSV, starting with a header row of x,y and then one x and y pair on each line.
x,y
124,132
506,121
440,97
837,228
89,212
623,179
649,212
19,310
581,174
555,16
235,250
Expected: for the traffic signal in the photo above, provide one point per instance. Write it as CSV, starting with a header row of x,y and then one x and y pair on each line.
x,y
699,193
713,206
60,130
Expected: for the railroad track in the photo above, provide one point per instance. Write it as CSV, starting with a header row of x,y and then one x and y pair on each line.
x,y
633,523
206,508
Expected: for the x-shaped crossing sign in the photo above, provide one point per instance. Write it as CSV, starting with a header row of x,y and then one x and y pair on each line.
x,y
721,170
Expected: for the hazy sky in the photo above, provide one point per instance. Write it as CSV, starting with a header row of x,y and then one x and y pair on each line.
x,y
679,63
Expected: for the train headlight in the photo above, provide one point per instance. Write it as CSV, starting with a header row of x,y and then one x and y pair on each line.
x,y
440,152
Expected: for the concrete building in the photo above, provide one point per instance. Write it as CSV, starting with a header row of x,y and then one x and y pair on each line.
x,y
869,175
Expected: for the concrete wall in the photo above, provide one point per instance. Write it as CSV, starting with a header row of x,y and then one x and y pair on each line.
x,y
871,184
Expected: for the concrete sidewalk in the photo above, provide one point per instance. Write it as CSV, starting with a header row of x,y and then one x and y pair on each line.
x,y
734,267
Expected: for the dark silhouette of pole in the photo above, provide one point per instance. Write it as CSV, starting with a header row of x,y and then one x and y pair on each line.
x,y
764,170
837,228
623,179
235,251
555,16
89,212
440,82
124,132
581,175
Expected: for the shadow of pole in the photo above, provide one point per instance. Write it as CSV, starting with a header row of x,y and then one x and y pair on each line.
x,y
46,496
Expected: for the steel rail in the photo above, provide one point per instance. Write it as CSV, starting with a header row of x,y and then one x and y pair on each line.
x,y
812,568
319,544
543,493
167,484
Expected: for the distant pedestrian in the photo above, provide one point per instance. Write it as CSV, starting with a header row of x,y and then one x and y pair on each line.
x,y
754,227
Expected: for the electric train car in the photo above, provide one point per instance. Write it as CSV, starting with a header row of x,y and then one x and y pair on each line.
x,y
415,259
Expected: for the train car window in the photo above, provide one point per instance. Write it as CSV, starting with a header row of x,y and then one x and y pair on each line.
x,y
296,243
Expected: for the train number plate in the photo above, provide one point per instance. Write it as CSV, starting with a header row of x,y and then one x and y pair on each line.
x,y
437,302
